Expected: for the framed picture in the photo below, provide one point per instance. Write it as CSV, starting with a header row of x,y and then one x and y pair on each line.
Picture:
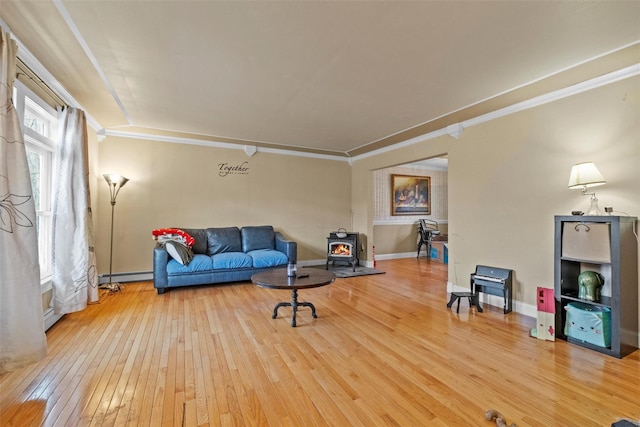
x,y
410,195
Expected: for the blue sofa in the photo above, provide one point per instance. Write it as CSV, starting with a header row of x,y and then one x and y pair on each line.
x,y
227,254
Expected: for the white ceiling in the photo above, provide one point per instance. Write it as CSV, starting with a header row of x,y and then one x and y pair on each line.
x,y
336,77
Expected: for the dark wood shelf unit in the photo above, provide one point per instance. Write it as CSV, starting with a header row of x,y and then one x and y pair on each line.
x,y
622,289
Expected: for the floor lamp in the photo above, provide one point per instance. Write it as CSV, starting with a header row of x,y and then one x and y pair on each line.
x,y
115,182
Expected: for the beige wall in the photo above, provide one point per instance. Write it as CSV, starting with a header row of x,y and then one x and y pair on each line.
x,y
180,185
508,178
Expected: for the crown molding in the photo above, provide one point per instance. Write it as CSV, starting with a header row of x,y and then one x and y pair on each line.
x,y
606,79
217,144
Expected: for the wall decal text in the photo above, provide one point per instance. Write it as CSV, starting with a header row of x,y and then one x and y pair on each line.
x,y
227,169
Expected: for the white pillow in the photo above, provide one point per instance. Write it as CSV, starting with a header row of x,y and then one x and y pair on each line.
x,y
179,252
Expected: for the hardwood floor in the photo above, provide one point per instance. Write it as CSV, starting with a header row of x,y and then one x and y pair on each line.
x,y
384,350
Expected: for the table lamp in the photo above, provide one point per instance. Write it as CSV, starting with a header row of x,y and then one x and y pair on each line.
x,y
583,176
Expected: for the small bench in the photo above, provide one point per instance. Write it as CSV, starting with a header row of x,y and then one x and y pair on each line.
x,y
473,300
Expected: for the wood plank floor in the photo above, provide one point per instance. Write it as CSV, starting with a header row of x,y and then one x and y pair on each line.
x,y
384,350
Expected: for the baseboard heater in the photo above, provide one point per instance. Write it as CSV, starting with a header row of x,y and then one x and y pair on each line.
x,y
50,318
138,276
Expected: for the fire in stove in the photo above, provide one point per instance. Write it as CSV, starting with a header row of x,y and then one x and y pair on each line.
x,y
343,249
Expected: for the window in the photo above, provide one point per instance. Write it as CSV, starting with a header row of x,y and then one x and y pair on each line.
x,y
39,125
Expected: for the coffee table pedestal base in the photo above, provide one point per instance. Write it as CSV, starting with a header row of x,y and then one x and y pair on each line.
x,y
294,304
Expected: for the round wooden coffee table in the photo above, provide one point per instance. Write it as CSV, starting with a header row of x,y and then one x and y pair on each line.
x,y
305,279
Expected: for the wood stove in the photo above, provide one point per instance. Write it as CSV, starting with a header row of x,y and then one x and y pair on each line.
x,y
342,249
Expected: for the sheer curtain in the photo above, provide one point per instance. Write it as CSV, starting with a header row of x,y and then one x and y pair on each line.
x,y
22,338
75,278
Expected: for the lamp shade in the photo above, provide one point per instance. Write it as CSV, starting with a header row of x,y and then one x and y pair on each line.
x,y
585,175
114,178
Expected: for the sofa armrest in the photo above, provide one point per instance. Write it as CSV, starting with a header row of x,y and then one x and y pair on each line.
x,y
160,261
287,247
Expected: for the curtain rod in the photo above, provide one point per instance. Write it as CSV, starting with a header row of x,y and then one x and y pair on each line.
x,y
23,70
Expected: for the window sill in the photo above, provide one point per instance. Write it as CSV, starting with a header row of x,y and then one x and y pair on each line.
x,y
46,284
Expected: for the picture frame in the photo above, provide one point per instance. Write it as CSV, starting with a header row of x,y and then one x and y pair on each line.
x,y
410,195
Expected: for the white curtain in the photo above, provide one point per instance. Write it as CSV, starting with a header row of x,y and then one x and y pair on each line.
x,y
75,278
22,338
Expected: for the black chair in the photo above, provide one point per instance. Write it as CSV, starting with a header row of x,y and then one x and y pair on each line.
x,y
427,228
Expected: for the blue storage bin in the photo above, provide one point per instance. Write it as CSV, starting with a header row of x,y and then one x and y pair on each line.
x,y
588,323
440,252
434,253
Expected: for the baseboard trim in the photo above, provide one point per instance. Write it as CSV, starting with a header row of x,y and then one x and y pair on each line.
x,y
396,256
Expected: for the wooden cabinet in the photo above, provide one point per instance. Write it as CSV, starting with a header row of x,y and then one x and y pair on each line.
x,y
608,246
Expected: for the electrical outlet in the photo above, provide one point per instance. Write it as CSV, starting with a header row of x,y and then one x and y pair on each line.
x,y
608,209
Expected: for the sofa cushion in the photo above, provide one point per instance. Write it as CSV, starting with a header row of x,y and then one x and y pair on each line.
x,y
223,239
258,237
198,263
200,236
263,258
231,260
